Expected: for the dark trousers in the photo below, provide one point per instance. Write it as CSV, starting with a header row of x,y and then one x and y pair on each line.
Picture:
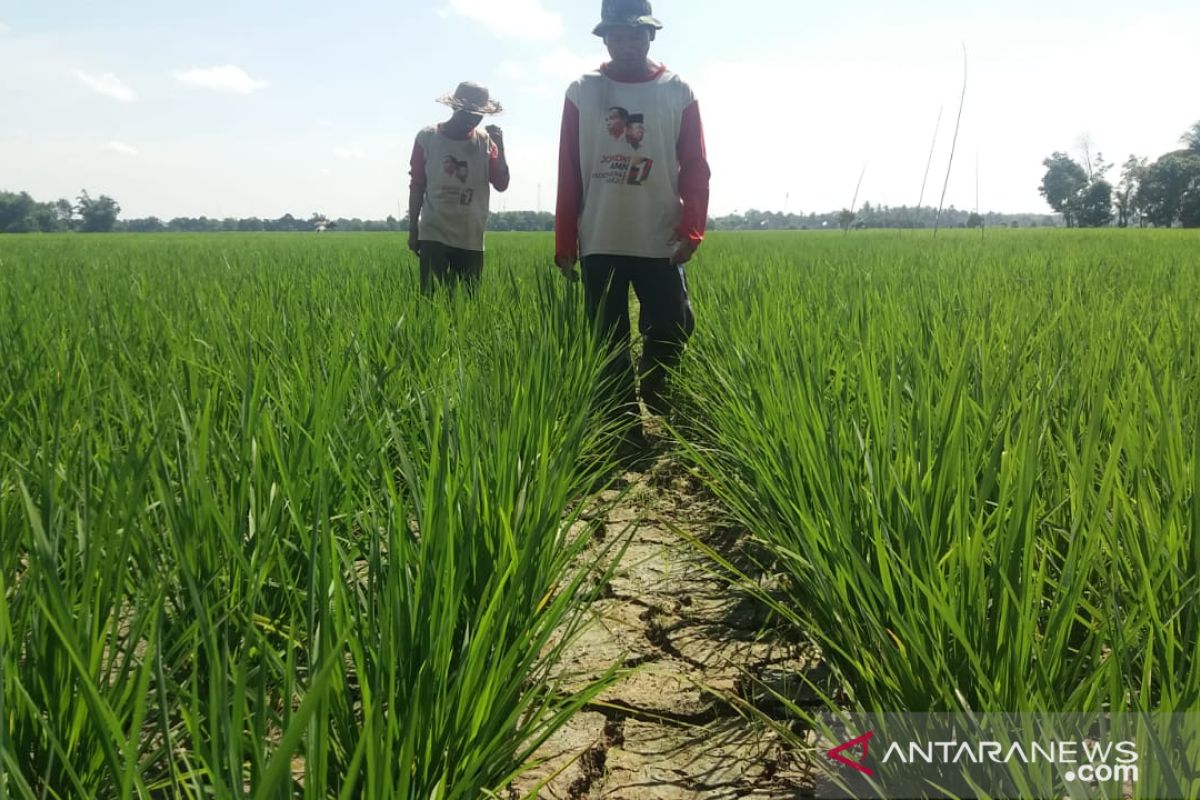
x,y
449,266
665,322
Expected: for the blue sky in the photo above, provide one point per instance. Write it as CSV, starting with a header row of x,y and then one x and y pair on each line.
x,y
258,108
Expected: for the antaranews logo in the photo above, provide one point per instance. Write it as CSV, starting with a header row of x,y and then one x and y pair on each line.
x,y
863,741
1085,761
1006,755
1088,760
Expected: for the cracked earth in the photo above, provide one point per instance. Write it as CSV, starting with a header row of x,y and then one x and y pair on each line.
x,y
676,726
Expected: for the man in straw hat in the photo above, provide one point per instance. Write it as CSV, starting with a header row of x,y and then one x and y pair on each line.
x,y
632,207
453,167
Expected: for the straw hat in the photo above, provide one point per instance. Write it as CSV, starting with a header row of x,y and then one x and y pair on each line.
x,y
471,97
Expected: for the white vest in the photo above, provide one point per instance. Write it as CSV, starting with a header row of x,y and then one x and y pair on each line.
x,y
628,135
457,189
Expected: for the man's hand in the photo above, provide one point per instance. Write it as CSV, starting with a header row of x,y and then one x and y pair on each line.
x,y
566,265
684,249
414,244
497,136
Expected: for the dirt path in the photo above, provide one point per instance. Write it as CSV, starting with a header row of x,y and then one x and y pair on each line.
x,y
669,730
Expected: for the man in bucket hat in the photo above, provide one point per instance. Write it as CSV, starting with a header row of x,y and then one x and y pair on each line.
x,y
453,167
632,207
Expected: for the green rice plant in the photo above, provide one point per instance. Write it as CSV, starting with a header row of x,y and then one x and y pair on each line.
x,y
275,525
973,461
272,524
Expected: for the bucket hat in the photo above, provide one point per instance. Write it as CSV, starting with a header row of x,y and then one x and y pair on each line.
x,y
626,14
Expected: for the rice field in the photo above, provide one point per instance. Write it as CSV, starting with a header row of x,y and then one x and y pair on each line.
x,y
980,461
273,524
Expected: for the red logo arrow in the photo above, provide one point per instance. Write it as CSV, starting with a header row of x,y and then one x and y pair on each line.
x,y
858,741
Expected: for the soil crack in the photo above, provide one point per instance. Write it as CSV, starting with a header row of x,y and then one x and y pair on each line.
x,y
671,728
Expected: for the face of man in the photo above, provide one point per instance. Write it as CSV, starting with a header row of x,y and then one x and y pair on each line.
x,y
628,47
463,121
635,132
615,122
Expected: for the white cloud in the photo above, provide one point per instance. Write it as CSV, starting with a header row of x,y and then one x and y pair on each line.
x,y
349,153
511,70
565,64
516,19
325,123
121,148
108,85
548,76
4,29
227,78
544,91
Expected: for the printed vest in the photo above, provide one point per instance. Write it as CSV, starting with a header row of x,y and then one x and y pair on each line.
x,y
457,190
628,138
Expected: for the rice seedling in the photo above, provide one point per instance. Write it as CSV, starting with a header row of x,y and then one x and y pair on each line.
x,y
274,525
974,462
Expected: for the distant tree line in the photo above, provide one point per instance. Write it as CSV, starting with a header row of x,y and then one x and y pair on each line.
x,y
881,216
867,217
497,221
20,213
1164,193
285,224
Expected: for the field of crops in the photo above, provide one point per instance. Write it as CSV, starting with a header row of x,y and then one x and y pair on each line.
x,y
273,524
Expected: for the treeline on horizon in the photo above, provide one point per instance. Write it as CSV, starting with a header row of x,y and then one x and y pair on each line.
x,y
1163,193
21,213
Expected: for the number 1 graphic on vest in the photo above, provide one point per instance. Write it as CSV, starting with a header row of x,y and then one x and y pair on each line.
x,y
639,171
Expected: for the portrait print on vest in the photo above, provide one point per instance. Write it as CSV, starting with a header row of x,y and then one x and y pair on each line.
x,y
617,164
456,169
635,131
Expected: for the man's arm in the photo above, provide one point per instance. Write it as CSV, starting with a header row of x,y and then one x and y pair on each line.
x,y
570,190
416,195
694,175
498,174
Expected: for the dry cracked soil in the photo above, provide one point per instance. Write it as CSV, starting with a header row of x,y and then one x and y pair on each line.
x,y
676,726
